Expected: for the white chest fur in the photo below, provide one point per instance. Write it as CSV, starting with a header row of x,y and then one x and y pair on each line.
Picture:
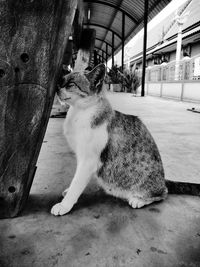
x,y
83,139
76,124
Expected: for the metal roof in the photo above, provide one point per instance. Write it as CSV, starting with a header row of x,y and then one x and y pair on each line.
x,y
105,16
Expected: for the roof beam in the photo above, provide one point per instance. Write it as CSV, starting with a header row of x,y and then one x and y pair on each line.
x,y
97,48
113,6
104,27
150,9
103,41
112,20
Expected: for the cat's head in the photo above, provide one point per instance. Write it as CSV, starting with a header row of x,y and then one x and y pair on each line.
x,y
78,85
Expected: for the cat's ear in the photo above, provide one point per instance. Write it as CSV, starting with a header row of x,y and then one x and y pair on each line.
x,y
96,77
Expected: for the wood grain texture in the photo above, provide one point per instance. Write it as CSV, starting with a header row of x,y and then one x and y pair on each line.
x,y
34,35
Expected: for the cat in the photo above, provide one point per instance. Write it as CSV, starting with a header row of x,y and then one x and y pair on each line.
x,y
115,148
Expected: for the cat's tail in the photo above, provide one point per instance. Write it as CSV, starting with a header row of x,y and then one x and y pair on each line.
x,y
183,188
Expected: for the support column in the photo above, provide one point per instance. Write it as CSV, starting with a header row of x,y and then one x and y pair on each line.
x,y
106,55
36,34
113,48
103,56
123,36
146,4
178,49
86,50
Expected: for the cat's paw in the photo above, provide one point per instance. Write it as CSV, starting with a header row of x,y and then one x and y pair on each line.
x,y
136,203
60,209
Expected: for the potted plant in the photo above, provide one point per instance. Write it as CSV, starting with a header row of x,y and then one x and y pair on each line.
x,y
131,81
115,79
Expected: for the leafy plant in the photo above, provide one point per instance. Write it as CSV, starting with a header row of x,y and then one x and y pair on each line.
x,y
128,79
115,75
131,81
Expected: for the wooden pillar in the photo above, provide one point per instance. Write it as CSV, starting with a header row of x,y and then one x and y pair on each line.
x,y
123,37
34,35
86,49
113,48
146,4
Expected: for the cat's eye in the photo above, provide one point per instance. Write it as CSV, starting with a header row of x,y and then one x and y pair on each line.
x,y
71,84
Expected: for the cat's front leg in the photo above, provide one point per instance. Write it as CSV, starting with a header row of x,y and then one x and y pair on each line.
x,y
84,171
60,209
64,193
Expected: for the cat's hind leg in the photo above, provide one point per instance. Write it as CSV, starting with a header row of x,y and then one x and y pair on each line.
x,y
137,202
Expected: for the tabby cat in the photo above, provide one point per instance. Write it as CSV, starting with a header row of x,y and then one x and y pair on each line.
x,y
115,148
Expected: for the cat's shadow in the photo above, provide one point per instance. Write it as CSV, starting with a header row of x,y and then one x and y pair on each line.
x,y
38,203
98,197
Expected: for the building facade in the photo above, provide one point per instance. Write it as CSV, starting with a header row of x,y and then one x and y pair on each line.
x,y
173,55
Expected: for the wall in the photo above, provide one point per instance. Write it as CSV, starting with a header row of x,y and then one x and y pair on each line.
x,y
195,49
172,56
183,91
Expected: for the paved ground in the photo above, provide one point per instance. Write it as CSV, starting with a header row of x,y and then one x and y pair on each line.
x,y
101,230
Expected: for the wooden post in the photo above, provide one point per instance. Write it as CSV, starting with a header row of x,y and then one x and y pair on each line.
x,y
34,35
86,50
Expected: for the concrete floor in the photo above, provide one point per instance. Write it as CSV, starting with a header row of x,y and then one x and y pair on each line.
x,y
101,230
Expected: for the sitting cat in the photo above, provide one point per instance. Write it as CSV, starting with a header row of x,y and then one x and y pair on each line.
x,y
116,148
